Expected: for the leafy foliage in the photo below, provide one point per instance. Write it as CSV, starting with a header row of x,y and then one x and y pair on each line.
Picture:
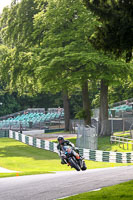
x,y
115,33
48,47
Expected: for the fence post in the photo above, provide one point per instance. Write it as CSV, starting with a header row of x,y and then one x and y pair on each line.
x,y
20,127
112,125
115,140
111,139
123,122
59,123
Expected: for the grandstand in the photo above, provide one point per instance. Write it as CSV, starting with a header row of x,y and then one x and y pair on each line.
x,y
31,118
120,110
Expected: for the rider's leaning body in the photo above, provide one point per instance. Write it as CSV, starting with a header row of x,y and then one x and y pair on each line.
x,y
61,144
75,152
64,143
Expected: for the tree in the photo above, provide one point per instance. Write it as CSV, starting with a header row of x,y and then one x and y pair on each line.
x,y
110,72
56,54
86,103
65,46
17,24
115,33
20,38
103,117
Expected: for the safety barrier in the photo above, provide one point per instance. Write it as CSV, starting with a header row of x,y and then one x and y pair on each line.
x,y
44,144
53,130
95,155
4,133
107,156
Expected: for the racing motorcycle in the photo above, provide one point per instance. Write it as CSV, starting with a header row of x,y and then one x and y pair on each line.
x,y
73,158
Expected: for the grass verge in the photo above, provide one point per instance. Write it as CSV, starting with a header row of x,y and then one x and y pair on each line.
x,y
123,191
28,160
105,145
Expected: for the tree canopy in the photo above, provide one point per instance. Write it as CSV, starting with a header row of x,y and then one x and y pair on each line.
x,y
59,45
115,32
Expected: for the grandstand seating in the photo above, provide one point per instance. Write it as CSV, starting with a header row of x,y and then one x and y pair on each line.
x,y
25,120
120,109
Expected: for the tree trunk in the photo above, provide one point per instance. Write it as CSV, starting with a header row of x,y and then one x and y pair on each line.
x,y
103,115
66,110
86,103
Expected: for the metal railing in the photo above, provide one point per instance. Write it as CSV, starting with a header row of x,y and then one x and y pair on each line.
x,y
29,110
122,140
121,102
33,110
51,124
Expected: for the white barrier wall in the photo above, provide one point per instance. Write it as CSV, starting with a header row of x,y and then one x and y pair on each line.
x,y
88,154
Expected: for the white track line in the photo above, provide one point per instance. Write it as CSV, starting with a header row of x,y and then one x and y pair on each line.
x,y
4,170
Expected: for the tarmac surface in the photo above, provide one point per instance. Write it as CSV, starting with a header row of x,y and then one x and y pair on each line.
x,y
62,184
47,136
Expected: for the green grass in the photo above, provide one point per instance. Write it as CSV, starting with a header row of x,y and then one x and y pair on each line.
x,y
17,156
28,160
105,145
123,191
58,132
121,134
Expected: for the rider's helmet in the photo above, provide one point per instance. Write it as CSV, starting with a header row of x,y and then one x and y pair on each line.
x,y
60,139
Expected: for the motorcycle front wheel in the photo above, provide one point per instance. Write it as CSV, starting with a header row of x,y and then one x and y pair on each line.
x,y
84,166
74,164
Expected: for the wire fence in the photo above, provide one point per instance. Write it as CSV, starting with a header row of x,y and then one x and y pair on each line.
x,y
115,125
86,135
75,123
121,125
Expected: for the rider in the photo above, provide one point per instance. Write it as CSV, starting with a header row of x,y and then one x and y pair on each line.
x,y
63,142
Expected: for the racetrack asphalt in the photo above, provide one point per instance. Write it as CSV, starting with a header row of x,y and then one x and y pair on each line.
x,y
61,184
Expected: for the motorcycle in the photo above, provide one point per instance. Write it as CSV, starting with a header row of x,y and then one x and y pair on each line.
x,y
73,158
